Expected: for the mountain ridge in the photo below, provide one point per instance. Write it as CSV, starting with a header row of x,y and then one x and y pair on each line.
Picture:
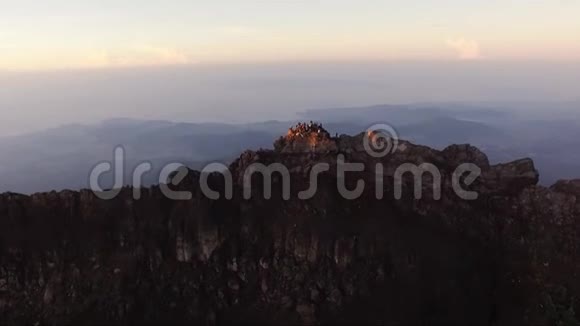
x,y
507,257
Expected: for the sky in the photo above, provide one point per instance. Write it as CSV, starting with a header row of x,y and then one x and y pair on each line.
x,y
85,61
59,34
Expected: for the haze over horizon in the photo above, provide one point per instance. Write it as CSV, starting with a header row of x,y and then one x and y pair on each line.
x,y
241,61
248,93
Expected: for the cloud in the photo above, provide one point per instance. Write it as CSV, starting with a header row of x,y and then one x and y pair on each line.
x,y
466,49
158,55
139,55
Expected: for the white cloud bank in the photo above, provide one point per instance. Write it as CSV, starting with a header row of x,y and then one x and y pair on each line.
x,y
465,49
141,55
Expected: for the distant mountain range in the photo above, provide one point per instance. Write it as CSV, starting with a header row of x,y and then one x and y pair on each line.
x,y
62,158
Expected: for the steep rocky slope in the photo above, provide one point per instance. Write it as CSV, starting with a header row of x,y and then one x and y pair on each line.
x,y
508,257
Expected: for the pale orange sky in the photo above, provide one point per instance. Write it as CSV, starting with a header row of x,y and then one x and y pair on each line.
x,y
61,34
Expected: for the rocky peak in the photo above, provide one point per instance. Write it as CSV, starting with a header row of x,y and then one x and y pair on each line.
x,y
508,257
304,138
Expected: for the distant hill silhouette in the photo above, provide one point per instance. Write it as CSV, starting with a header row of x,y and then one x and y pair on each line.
x,y
61,158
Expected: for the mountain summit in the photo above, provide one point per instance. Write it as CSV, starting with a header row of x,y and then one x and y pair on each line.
x,y
507,257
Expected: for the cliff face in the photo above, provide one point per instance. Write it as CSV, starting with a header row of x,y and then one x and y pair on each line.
x,y
508,257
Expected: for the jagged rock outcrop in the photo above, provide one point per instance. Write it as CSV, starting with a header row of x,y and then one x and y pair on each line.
x,y
508,257
306,138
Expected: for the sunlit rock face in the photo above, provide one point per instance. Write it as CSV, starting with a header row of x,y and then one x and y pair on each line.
x,y
306,138
510,257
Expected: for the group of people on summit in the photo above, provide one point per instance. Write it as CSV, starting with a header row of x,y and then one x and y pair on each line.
x,y
302,129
